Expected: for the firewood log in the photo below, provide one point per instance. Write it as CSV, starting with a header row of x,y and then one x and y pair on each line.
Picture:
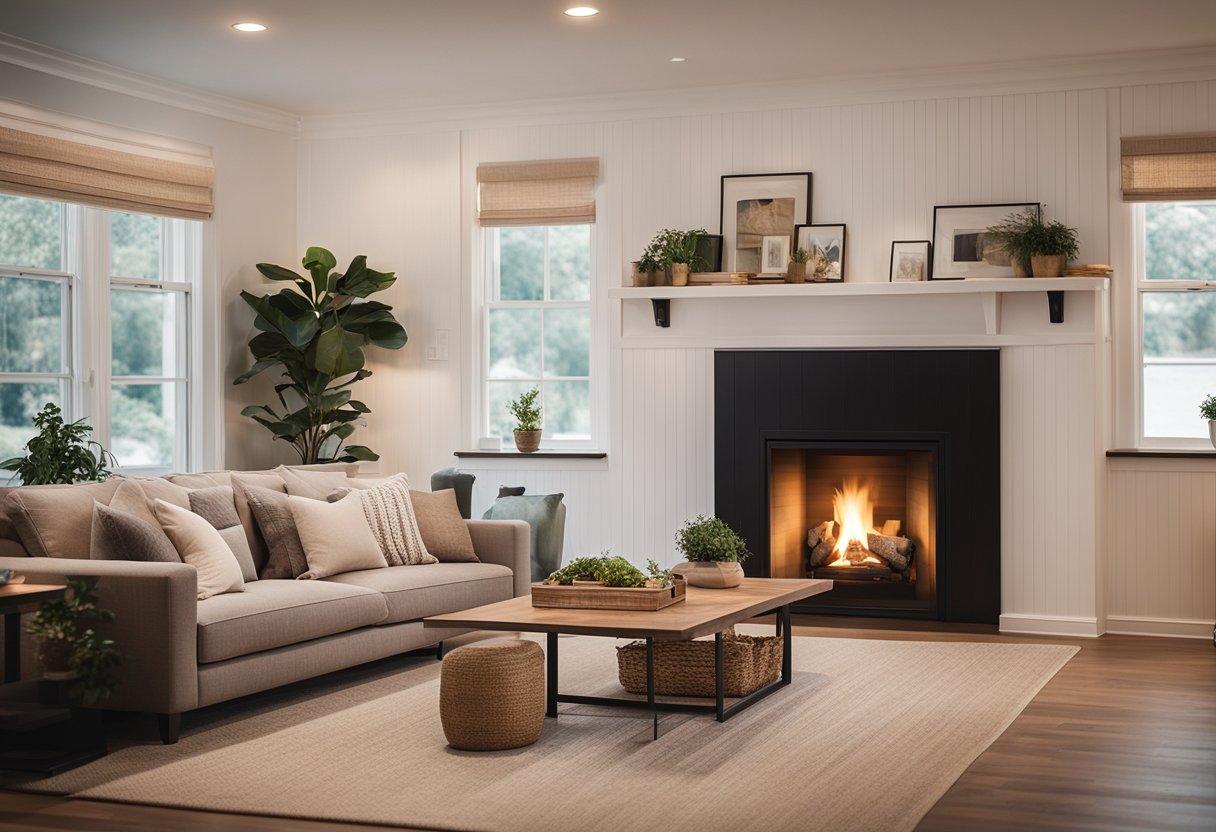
x,y
822,552
823,531
897,551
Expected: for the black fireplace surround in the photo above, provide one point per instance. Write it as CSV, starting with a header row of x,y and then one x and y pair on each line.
x,y
944,400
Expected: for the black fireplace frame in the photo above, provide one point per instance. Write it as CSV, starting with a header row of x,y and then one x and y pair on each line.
x,y
765,395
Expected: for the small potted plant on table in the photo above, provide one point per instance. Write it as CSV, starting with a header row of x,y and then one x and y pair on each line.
x,y
527,421
715,553
1207,409
796,273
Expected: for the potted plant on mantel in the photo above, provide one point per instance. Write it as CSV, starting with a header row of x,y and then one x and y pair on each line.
x,y
1032,245
1207,409
796,272
680,252
527,421
61,453
715,553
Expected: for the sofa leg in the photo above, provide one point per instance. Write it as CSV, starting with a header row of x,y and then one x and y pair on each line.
x,y
439,651
170,727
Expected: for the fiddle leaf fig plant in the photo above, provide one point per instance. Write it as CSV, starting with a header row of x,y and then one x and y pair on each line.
x,y
315,331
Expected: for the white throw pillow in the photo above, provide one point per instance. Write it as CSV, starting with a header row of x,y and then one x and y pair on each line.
x,y
336,536
390,514
201,546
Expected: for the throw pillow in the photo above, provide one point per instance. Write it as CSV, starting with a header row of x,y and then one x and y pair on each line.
x,y
121,536
242,480
201,546
546,514
390,513
285,553
314,484
335,536
444,531
510,491
54,521
217,506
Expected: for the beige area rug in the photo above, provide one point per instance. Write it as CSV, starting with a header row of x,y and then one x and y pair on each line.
x,y
868,738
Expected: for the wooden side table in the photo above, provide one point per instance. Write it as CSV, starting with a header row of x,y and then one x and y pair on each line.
x,y
14,599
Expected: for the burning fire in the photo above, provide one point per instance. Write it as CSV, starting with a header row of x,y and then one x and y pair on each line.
x,y
855,519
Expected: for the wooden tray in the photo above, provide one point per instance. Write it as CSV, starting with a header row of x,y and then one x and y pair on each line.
x,y
593,597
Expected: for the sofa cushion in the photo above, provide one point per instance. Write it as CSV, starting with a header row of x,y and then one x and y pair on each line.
x,y
277,525
276,613
259,544
336,536
444,531
121,536
200,545
390,513
414,592
56,521
217,506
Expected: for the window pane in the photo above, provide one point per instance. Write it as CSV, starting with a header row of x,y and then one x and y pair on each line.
x,y
31,325
31,233
521,264
134,246
568,410
567,342
19,401
1179,361
1180,241
500,394
570,262
514,343
144,328
143,423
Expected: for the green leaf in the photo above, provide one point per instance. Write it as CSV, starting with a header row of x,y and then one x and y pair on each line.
x,y
358,406
367,282
387,334
319,262
339,352
258,367
359,453
279,273
257,409
275,315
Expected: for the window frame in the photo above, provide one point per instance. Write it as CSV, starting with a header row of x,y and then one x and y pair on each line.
x,y
1143,286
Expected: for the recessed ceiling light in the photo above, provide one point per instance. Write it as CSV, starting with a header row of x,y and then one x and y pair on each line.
x,y
678,60
582,11
249,27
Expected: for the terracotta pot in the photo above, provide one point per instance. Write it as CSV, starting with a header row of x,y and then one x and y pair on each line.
x,y
1047,265
527,441
1019,268
639,278
55,659
679,274
796,273
711,574
660,277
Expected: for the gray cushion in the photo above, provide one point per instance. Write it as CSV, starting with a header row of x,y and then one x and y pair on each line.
x,y
217,505
285,553
117,535
414,592
546,514
459,481
270,614
511,490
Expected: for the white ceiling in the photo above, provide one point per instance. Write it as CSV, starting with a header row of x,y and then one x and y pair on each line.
x,y
322,57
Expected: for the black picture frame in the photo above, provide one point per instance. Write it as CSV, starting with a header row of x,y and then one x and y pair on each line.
x,y
977,216
844,248
928,268
798,185
709,249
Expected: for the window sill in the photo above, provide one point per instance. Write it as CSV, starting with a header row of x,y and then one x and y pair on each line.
x,y
541,454
1150,453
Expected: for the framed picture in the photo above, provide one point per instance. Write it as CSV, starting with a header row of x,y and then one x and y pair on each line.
x,y
826,246
759,205
961,242
911,260
709,249
775,255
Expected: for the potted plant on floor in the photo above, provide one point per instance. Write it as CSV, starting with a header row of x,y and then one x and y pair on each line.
x,y
714,553
61,453
1207,409
70,649
527,421
796,273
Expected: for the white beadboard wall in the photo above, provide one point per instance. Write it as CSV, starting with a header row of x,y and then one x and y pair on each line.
x,y
407,200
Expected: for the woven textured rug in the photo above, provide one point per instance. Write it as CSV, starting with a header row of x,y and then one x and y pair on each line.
x,y
869,737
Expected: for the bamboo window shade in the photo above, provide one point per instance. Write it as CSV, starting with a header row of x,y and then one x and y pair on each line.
x,y
551,192
1169,168
151,182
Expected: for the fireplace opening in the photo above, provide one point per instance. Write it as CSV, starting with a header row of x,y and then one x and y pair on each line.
x,y
863,516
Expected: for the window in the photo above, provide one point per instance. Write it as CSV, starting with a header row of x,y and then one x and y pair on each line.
x,y
538,329
1177,310
95,315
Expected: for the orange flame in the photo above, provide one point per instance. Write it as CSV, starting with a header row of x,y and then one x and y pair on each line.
x,y
855,519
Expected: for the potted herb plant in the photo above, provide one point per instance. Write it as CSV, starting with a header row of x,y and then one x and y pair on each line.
x,y
680,249
69,648
796,273
1055,245
714,553
1014,241
1028,241
61,453
527,421
647,269
1207,409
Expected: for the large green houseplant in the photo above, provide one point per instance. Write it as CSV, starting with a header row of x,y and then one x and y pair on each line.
x,y
61,452
314,331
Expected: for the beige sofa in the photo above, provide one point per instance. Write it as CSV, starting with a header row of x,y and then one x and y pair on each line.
x,y
180,654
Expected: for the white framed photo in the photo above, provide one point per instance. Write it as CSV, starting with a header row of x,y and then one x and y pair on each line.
x,y
911,261
759,205
962,244
775,255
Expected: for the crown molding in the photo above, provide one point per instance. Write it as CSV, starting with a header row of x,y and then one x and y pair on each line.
x,y
1056,75
35,56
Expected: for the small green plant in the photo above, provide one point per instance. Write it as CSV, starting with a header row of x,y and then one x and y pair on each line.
x,y
1025,235
65,626
1207,408
525,411
1056,238
616,571
671,246
658,575
710,539
800,255
61,453
610,570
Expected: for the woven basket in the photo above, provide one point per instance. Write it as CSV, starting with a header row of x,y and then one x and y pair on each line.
x,y
492,695
686,668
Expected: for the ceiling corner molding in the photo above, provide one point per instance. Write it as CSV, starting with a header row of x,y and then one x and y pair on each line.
x,y
1023,77
35,56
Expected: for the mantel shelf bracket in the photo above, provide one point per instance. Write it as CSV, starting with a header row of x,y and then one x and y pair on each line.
x,y
1055,306
662,311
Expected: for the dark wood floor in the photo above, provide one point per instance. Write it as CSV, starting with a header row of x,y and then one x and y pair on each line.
x,y
1123,738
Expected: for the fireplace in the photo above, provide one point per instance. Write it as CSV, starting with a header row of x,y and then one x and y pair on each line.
x,y
877,469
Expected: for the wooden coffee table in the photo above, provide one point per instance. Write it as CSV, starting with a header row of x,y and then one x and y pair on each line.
x,y
705,612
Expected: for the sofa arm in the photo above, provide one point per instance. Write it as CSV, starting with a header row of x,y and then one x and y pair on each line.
x,y
155,626
507,543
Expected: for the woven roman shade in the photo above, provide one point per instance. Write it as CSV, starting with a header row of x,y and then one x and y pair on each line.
x,y
552,192
106,174
1169,168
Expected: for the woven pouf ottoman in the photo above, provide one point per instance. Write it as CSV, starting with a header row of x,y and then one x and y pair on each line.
x,y
492,695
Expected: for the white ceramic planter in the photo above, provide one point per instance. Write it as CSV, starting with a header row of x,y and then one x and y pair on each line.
x,y
711,574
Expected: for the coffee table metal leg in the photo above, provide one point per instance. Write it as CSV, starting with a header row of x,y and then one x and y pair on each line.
x,y
551,676
719,678
787,647
650,684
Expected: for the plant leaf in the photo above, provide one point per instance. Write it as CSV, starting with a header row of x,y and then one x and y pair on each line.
x,y
338,352
358,453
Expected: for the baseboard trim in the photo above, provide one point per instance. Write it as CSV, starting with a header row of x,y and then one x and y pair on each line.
x,y
1166,627
1050,625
